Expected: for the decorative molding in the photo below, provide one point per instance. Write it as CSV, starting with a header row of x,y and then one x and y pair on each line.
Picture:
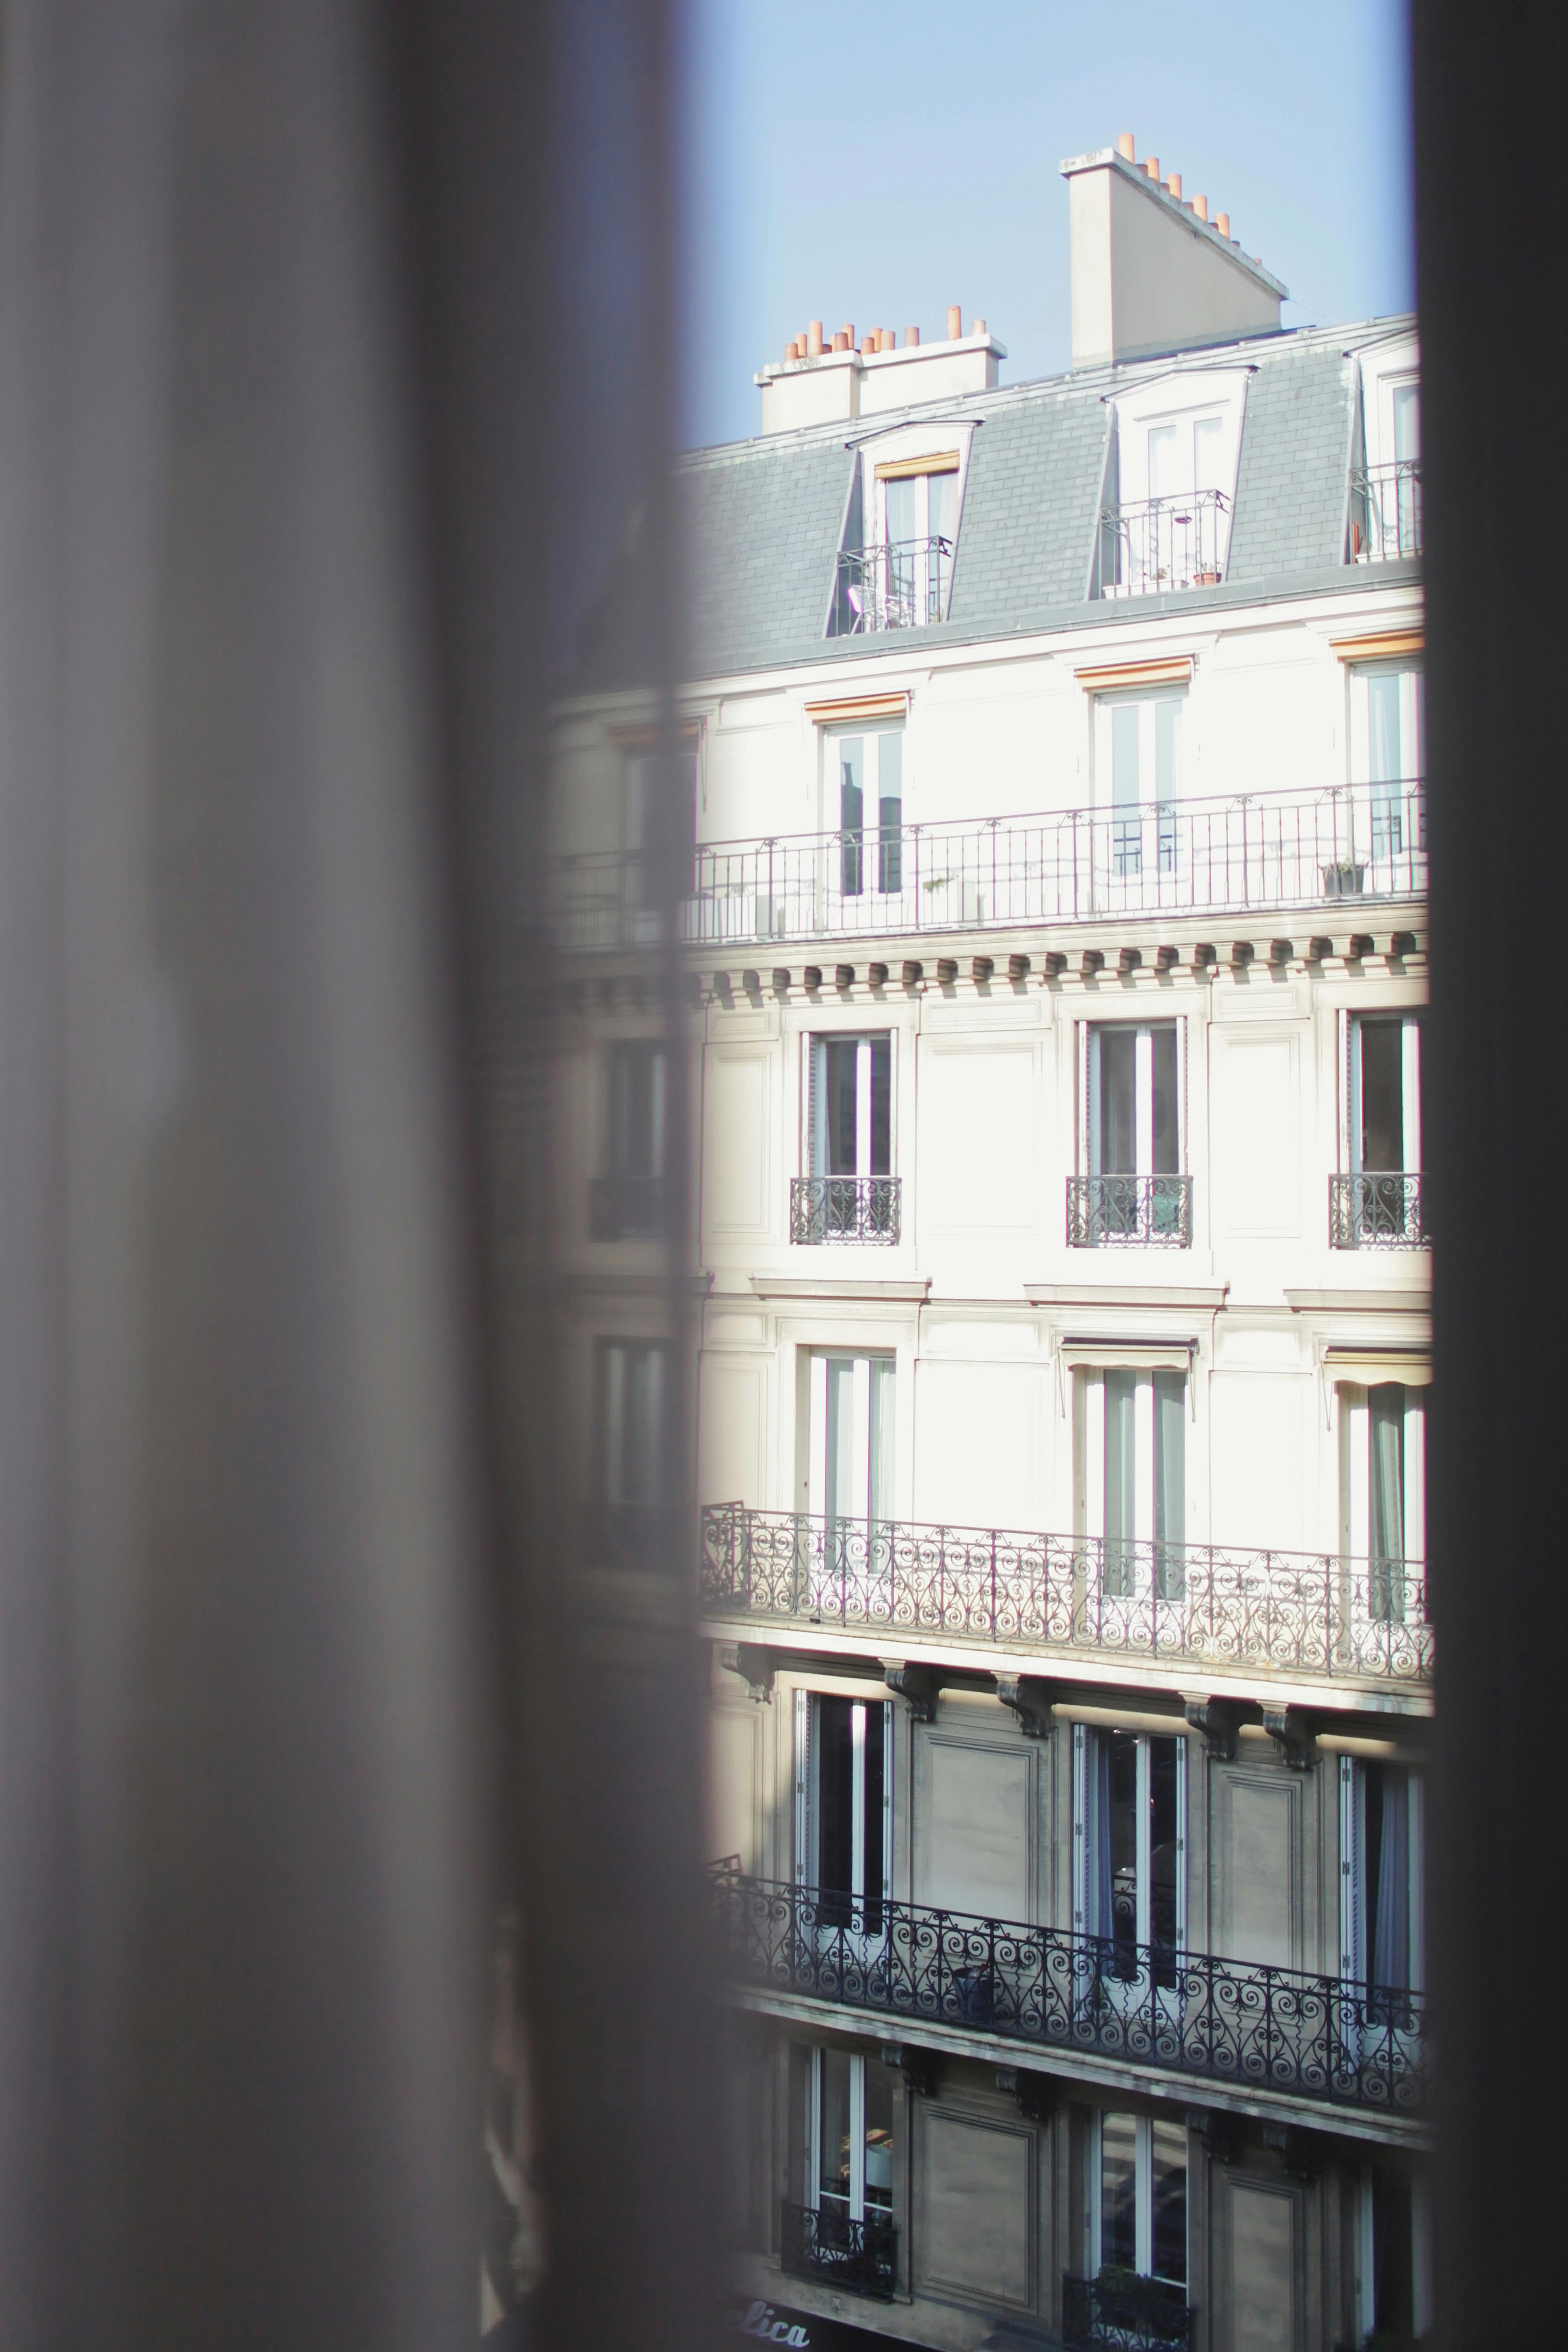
x,y
1220,2132
1416,1299
829,1285
899,469
1125,1294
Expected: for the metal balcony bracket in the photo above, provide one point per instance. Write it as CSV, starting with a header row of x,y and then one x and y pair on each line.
x,y
1292,1734
1029,1697
918,1684
753,1663
1221,2133
1036,2096
1217,1719
919,2068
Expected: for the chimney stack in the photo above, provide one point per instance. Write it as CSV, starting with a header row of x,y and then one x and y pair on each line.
x,y
1151,274
822,381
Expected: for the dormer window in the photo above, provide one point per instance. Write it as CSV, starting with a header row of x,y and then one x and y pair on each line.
x,y
1386,490
901,533
1170,484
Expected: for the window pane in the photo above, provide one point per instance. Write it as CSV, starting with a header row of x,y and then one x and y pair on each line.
x,y
1385,1424
880,1500
1164,1140
1164,1830
875,1773
1170,1483
878,2135
1119,2190
1124,721
1167,781
881,1107
1383,714
1168,2186
840,1056
1165,465
890,811
899,508
1407,423
1121,1483
835,1803
833,2139
852,813
636,1111
1382,1094
1115,1141
944,502
1123,1846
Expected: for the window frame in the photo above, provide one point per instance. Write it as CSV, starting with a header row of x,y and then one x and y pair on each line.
x,y
1144,2186
1089,1031
606,1347
874,851
814,1113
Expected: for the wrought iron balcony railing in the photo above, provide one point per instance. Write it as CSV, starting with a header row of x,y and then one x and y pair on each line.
x,y
823,2242
898,585
844,1208
1386,511
1124,2312
1319,1614
1257,2028
1153,545
1381,1207
626,1208
1129,1211
1246,854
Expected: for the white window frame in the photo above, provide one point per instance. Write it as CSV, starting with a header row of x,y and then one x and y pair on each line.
x,y
1085,1844
621,1049
873,733
814,1126
1143,2198
858,2208
610,1467
1354,1958
1143,1107
807,1795
1410,670
901,445
1385,370
873,1376
1355,1470
1185,398
1410,1020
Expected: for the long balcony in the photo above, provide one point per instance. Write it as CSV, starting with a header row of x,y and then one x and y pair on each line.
x,y
1129,1212
896,585
1151,546
1265,2031
828,2243
1380,1208
1386,511
1244,854
1124,2312
845,1209
1314,1613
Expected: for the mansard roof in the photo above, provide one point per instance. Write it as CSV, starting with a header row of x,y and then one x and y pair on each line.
x,y
762,519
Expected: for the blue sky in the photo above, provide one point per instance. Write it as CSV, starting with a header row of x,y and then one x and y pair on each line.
x,y
876,160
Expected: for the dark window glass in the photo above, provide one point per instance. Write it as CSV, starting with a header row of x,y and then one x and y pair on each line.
x,y
840,1056
637,1138
1382,1094
1119,2190
1162,1121
881,1107
1117,1139
1168,2197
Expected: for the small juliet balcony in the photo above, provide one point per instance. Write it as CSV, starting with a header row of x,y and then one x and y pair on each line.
x,y
827,2243
626,1208
1121,2311
1386,511
897,585
1254,2027
1320,1615
1377,1208
1156,545
1129,1212
845,1209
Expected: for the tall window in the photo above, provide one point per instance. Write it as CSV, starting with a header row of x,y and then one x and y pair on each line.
x,y
1139,2217
1186,453
1139,743
632,1436
1133,1103
849,2136
1382,1873
1135,1480
1384,1088
844,1820
1388,752
1130,1808
918,523
626,1198
1382,1484
850,1475
851,1100
641,838
868,769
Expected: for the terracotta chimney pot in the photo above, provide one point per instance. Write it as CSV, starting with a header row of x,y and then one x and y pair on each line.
x,y
1153,167
1222,223
841,341
814,339
1173,186
911,338
1126,147
955,324
978,327
1200,206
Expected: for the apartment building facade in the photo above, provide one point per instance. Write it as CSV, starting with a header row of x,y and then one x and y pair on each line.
x,y
1056,953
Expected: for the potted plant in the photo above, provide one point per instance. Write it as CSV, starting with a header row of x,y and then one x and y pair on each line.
x,y
1344,878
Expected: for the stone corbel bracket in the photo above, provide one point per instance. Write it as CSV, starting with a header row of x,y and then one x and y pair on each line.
x,y
1291,1733
1036,2096
918,2068
1217,1719
1029,1698
753,1663
919,1685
